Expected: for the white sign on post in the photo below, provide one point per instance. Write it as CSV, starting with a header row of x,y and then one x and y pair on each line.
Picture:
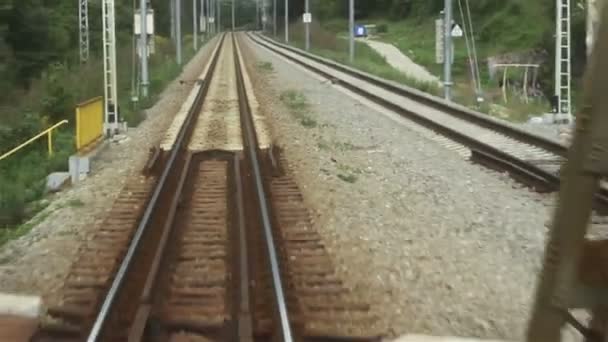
x,y
149,22
307,18
457,31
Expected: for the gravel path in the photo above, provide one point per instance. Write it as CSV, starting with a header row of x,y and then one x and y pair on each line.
x,y
401,62
38,262
439,245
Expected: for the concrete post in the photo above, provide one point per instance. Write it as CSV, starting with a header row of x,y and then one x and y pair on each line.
x,y
351,28
307,25
178,30
143,41
447,49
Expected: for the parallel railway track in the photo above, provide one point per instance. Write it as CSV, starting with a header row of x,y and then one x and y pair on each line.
x,y
213,244
531,159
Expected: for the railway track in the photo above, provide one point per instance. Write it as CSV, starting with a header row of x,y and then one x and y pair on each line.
x,y
213,243
533,160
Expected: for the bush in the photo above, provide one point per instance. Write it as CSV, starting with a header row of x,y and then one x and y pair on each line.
x,y
382,28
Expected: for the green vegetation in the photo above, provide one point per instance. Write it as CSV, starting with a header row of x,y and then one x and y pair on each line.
x,y
350,178
10,234
265,66
75,203
298,105
409,24
329,45
41,81
294,99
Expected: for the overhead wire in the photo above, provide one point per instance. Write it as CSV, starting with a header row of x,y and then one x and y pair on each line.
x,y
473,46
466,39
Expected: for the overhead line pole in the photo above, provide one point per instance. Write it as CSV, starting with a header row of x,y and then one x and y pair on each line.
x,y
351,28
172,10
287,21
219,15
143,41
194,25
233,23
274,17
178,31
447,48
307,25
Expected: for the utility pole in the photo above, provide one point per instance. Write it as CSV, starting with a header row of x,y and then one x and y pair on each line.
x,y
563,64
201,22
351,28
212,15
178,30
274,18
194,26
447,50
83,20
287,21
207,16
109,68
143,41
257,15
264,19
307,24
233,23
219,15
172,10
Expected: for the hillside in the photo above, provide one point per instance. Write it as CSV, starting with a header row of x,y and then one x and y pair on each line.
x,y
500,27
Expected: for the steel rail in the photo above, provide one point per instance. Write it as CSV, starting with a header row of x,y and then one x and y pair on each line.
x,y
126,264
453,109
251,142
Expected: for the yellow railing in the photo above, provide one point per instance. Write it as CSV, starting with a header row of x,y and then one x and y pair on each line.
x,y
48,132
89,122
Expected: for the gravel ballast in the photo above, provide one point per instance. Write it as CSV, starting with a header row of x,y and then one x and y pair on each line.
x,y
438,245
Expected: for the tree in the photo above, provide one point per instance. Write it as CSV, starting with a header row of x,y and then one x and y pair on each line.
x,y
37,36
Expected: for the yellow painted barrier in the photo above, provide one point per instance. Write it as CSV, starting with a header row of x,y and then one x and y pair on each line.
x,y
48,132
89,122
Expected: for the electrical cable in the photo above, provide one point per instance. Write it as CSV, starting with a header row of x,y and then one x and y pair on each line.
x,y
474,48
466,39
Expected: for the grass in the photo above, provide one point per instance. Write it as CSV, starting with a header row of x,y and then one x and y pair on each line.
x,y
348,174
416,38
7,235
265,67
331,45
294,99
298,105
75,203
348,178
